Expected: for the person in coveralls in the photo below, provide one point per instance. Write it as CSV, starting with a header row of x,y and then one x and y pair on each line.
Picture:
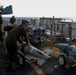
x,y
1,29
11,43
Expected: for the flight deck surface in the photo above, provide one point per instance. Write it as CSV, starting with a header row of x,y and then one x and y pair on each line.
x,y
50,67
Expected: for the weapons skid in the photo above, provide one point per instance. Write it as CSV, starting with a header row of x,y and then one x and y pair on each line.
x,y
35,53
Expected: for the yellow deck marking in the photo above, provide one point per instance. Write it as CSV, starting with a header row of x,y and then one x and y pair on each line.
x,y
38,70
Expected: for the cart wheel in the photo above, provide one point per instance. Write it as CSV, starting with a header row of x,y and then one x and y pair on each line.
x,y
62,60
21,60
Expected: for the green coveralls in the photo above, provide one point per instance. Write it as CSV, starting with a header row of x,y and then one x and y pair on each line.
x,y
11,42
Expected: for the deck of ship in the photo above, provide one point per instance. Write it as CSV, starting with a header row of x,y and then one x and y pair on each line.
x,y
50,67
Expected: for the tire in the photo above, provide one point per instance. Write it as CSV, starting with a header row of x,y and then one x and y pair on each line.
x,y
62,60
21,60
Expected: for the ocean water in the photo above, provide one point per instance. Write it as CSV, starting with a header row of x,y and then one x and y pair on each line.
x,y
27,18
19,19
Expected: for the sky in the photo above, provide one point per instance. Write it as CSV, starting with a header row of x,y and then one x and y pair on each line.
x,y
40,8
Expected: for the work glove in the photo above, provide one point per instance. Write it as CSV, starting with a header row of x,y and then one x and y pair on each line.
x,y
23,44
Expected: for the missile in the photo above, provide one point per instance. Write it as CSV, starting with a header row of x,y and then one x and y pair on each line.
x,y
67,48
31,50
34,53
